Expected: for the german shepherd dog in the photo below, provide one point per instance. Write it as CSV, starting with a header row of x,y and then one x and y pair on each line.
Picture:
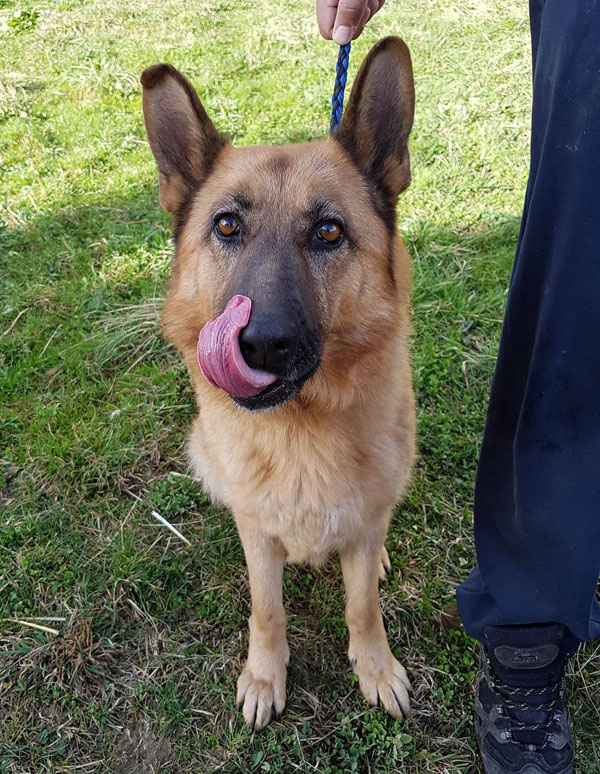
x,y
289,301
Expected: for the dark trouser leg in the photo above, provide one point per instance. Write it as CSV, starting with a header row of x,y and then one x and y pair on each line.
x,y
537,495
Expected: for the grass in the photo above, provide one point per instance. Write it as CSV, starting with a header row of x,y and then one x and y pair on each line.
x,y
151,632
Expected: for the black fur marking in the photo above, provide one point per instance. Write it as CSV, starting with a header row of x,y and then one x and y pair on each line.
x,y
381,197
181,215
391,267
279,165
241,201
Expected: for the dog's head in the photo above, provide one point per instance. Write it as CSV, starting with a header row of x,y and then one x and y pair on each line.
x,y
306,232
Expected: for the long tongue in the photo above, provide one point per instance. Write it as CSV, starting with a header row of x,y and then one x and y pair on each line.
x,y
220,357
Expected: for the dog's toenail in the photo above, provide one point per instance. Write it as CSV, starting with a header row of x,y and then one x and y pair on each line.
x,y
398,703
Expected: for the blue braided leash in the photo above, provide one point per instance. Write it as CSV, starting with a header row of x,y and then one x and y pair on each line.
x,y
341,76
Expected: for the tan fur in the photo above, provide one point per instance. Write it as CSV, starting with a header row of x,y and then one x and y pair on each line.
x,y
313,469
321,474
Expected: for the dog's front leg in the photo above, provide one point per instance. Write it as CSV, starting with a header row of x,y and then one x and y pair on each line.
x,y
261,686
382,679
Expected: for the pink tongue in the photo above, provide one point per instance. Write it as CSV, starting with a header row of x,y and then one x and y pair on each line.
x,y
220,357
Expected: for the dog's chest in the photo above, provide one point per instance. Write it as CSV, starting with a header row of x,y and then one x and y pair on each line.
x,y
314,488
314,509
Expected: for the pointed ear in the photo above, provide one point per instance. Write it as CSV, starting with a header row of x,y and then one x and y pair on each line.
x,y
379,116
183,139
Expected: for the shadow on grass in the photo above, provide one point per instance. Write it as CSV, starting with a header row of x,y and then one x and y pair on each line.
x,y
70,243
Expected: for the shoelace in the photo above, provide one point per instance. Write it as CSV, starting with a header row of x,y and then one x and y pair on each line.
x,y
548,704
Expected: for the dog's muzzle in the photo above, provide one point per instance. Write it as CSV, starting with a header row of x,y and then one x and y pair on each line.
x,y
261,365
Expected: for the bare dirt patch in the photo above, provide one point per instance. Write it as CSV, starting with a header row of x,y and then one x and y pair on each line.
x,y
140,752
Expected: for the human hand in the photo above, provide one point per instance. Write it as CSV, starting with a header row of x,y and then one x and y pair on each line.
x,y
344,20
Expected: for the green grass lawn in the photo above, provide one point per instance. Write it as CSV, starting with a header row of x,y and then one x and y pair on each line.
x,y
95,407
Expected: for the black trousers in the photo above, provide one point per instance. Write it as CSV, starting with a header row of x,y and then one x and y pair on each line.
x,y
537,494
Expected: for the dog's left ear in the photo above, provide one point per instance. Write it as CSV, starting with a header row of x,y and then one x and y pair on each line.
x,y
183,139
379,117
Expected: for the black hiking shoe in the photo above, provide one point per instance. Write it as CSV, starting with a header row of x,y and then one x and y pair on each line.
x,y
522,720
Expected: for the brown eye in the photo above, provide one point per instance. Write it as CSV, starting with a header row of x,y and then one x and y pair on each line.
x,y
227,226
330,233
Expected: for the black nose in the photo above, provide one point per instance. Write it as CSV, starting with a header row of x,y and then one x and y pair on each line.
x,y
267,343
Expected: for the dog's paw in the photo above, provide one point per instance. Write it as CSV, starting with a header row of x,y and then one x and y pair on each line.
x,y
385,566
261,696
383,680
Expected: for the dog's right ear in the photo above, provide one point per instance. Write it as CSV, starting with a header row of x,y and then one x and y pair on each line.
x,y
183,139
